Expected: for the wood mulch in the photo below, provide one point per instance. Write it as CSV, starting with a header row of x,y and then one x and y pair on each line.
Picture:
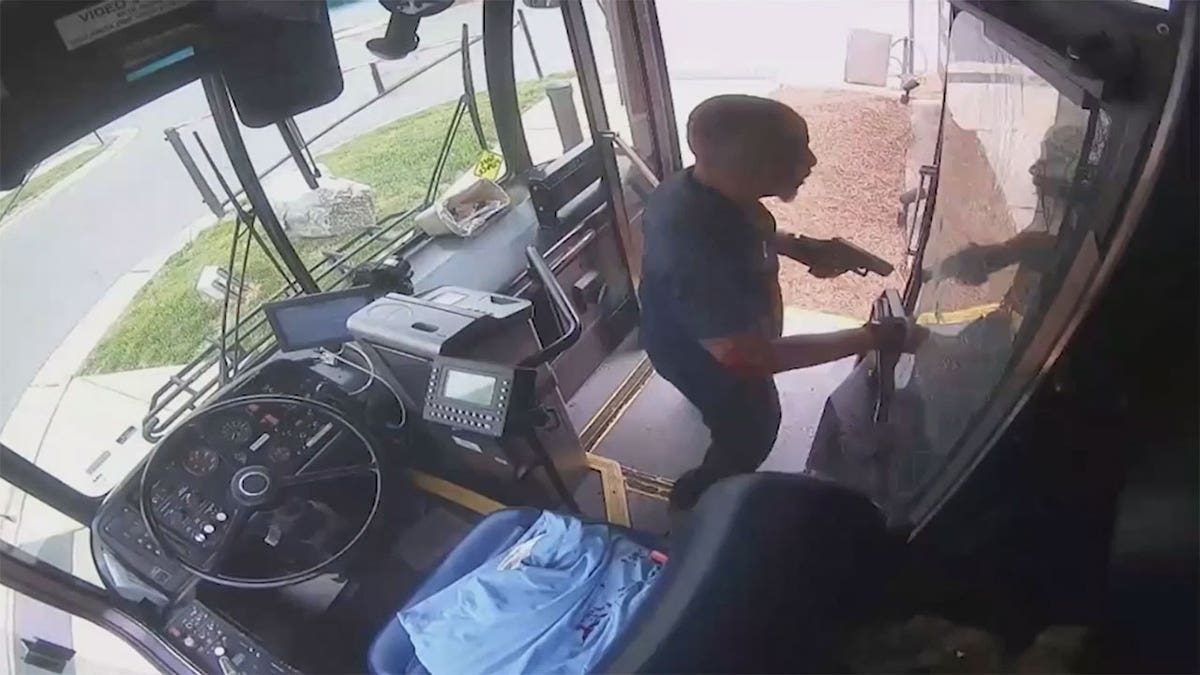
x,y
860,140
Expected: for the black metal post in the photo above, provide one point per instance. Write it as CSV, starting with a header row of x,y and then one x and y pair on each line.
x,y
375,76
189,165
296,150
227,127
537,65
908,42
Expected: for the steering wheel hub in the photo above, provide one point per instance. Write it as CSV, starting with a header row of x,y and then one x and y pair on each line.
x,y
251,485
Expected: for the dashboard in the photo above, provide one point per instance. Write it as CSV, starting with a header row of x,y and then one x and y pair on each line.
x,y
207,505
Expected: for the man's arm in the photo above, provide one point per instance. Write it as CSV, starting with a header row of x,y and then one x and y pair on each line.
x,y
975,263
753,355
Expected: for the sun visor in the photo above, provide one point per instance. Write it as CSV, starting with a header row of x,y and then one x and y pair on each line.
x,y
70,67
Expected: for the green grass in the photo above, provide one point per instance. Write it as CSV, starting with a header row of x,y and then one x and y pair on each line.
x,y
42,182
169,322
396,159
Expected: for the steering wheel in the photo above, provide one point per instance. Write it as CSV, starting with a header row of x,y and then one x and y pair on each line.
x,y
261,491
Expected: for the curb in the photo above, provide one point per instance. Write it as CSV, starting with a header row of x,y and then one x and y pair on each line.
x,y
120,138
65,361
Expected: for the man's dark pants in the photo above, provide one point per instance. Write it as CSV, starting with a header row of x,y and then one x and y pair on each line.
x,y
743,422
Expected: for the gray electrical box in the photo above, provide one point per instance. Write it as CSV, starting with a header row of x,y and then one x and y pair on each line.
x,y
867,57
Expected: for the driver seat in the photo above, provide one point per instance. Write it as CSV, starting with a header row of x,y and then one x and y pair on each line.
x,y
767,575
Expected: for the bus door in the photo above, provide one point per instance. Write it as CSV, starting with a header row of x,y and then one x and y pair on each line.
x,y
1035,155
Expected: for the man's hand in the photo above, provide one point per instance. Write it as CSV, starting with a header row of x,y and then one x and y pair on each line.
x,y
893,335
971,265
915,335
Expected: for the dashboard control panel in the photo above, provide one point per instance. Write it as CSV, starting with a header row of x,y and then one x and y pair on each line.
x,y
122,528
471,395
189,515
217,645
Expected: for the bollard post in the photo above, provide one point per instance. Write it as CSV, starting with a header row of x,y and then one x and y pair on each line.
x,y
537,65
378,80
189,165
566,118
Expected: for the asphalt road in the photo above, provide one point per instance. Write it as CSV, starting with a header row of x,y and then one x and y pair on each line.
x,y
58,258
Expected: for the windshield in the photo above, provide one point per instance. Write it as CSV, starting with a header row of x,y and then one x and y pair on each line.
x,y
132,281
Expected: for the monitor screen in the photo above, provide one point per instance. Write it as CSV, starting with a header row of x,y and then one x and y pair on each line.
x,y
469,387
315,320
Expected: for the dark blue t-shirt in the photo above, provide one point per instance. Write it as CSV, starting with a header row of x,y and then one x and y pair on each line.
x,y
706,273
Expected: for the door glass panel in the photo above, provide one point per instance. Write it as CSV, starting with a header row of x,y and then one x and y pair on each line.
x,y
1010,218
97,652
546,55
45,533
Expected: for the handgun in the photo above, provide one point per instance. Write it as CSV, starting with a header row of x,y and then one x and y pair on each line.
x,y
841,254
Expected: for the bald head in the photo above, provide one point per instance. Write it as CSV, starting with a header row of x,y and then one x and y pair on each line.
x,y
756,145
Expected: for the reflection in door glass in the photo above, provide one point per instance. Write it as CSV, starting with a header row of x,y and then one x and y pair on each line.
x,y
1010,218
43,532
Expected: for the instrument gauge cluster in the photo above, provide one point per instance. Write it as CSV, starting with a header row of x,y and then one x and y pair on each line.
x,y
201,461
233,429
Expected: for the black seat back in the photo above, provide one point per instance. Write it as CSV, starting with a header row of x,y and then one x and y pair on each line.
x,y
767,576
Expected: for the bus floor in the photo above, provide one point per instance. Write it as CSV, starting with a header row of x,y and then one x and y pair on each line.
x,y
656,435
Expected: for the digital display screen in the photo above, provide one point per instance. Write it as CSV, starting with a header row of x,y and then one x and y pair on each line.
x,y
313,321
469,387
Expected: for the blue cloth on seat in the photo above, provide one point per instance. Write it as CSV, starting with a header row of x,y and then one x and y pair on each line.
x,y
550,602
